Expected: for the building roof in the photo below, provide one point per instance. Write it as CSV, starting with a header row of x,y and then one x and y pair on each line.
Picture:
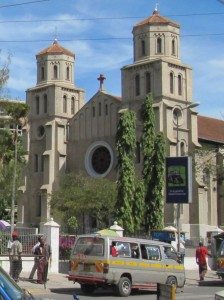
x,y
156,19
55,48
210,129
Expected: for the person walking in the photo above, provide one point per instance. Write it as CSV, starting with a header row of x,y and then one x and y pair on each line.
x,y
43,253
15,256
9,247
201,255
36,259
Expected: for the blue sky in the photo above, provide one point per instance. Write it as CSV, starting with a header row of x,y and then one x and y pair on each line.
x,y
99,32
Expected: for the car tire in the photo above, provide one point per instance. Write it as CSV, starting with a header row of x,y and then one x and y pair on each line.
x,y
124,287
87,289
172,281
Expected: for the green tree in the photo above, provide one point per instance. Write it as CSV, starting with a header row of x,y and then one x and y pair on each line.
x,y
4,72
12,158
153,168
125,144
154,216
148,137
139,205
78,196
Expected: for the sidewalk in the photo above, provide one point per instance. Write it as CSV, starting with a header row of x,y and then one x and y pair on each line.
x,y
55,281
59,281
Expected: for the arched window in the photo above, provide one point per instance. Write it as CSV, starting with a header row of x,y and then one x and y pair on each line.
x,y
99,108
173,47
182,149
37,105
148,87
55,72
64,104
72,105
42,73
93,111
179,85
106,109
45,103
137,85
143,47
67,73
171,83
159,45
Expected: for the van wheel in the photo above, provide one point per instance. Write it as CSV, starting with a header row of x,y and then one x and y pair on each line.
x,y
172,281
87,288
124,287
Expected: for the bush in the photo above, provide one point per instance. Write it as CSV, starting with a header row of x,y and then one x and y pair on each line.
x,y
66,243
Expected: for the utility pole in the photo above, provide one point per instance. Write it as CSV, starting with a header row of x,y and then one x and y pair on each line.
x,y
14,180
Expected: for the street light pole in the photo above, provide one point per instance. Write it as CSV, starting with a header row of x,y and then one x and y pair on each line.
x,y
191,105
178,204
14,182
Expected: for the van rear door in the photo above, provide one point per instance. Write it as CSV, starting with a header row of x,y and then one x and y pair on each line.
x,y
88,257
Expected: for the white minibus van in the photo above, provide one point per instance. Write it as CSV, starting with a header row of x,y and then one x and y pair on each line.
x,y
124,263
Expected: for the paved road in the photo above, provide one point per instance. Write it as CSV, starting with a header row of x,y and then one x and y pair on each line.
x,y
192,293
59,288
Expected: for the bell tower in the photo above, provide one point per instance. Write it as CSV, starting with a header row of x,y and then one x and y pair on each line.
x,y
53,102
157,69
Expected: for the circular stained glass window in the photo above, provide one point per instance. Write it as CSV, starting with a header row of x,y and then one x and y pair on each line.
x,y
101,160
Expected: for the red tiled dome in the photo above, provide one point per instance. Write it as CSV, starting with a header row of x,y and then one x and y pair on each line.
x,y
156,19
55,48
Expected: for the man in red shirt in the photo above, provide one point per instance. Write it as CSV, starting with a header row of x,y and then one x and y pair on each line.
x,y
201,254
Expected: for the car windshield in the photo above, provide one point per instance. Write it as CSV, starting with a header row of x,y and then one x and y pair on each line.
x,y
89,246
11,288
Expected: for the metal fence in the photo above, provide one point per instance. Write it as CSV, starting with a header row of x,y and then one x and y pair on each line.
x,y
27,240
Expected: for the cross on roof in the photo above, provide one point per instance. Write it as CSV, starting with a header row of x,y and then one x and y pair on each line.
x,y
101,80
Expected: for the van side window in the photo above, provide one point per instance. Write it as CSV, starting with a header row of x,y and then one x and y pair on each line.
x,y
135,250
153,252
170,253
121,249
144,252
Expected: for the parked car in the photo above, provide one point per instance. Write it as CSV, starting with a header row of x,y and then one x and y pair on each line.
x,y
9,289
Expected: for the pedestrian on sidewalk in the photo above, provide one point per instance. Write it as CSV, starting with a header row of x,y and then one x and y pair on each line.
x,y
201,255
43,254
36,259
15,256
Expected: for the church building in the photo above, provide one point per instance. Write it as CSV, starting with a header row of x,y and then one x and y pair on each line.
x,y
67,134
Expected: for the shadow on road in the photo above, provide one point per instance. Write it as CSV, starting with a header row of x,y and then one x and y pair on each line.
x,y
211,283
97,293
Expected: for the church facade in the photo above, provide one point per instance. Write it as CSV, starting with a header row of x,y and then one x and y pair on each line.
x,y
66,134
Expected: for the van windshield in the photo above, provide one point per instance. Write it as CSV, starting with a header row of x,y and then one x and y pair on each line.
x,y
90,246
220,251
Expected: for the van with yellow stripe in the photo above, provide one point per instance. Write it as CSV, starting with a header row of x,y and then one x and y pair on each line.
x,y
123,263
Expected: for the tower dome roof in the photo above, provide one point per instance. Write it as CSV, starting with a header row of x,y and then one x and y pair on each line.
x,y
156,19
55,48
